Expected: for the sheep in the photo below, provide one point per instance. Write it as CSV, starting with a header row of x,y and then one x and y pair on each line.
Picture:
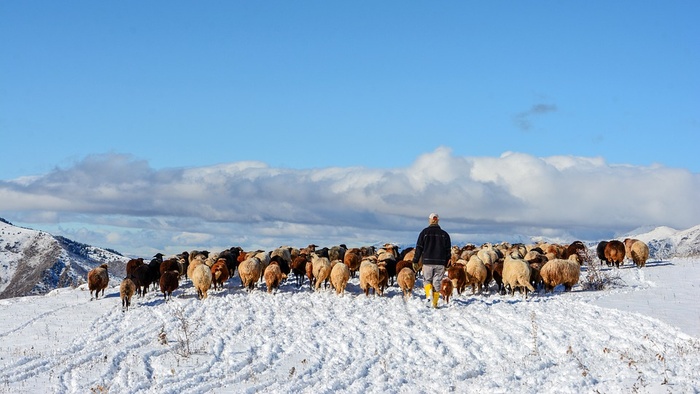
x,y
600,251
516,273
142,279
284,265
231,256
446,289
388,255
337,252
458,275
353,258
196,260
639,253
283,256
298,267
132,264
476,273
369,276
169,281
406,279
560,271
403,264
576,247
383,275
98,280
126,291
615,253
628,246
340,274
201,279
273,276
169,265
321,269
250,271
219,273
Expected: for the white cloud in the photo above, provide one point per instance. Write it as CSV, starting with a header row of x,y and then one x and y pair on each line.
x,y
251,204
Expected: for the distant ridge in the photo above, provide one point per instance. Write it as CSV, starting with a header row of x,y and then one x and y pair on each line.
x,y
34,262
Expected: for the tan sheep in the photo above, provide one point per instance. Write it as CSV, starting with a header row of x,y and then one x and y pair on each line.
x,y
560,272
369,276
516,273
201,280
340,274
321,268
196,260
273,276
98,280
126,291
250,271
639,253
476,273
406,279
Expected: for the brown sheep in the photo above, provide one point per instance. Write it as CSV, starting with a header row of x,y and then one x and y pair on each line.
x,y
406,280
298,267
446,289
169,281
576,247
132,264
98,280
353,259
219,273
126,291
615,253
169,265
273,276
457,274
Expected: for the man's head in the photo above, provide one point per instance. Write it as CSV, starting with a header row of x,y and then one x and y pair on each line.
x,y
433,218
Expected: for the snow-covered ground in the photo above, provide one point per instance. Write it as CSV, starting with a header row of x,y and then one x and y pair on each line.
x,y
639,335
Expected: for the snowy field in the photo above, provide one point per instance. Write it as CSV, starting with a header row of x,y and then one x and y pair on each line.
x,y
642,334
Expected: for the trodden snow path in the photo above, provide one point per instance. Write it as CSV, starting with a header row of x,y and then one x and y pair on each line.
x,y
299,341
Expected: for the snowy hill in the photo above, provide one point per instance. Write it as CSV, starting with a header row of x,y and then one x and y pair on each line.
x,y
639,333
35,262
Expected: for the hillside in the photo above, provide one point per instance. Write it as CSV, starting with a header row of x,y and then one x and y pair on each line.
x,y
35,262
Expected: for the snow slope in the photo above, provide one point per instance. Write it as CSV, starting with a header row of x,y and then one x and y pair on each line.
x,y
298,341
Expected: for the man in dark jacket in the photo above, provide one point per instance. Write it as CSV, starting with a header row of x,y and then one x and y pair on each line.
x,y
434,246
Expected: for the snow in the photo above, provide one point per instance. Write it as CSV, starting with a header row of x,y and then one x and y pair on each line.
x,y
639,335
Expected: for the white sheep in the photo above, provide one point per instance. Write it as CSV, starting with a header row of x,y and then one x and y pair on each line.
x,y
340,274
321,269
201,280
369,275
250,271
560,272
516,273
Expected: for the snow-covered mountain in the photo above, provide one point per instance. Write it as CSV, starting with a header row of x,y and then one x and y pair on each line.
x,y
35,262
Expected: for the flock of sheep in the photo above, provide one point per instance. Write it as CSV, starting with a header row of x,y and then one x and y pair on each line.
x,y
526,268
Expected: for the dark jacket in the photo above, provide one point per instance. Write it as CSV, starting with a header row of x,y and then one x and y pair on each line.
x,y
433,245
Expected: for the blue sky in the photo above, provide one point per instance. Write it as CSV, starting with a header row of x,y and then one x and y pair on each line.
x,y
376,87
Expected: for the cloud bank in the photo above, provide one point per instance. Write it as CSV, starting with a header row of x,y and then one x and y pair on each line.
x,y
120,202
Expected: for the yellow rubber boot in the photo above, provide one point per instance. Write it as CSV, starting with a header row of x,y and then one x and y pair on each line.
x,y
428,291
436,297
